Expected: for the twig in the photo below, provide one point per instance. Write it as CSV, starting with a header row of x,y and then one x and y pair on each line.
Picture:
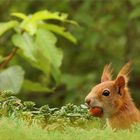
x,y
8,58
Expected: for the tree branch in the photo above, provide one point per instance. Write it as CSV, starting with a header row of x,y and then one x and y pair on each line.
x,y
8,58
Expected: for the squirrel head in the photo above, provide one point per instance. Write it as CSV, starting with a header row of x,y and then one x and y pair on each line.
x,y
110,95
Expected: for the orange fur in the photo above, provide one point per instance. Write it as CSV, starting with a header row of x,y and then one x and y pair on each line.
x,y
126,115
107,73
118,106
125,71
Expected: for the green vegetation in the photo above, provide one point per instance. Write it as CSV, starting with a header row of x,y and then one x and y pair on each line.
x,y
22,120
50,59
105,33
46,117
35,42
14,129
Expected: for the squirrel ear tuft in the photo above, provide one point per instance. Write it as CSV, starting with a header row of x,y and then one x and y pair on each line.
x,y
107,73
125,71
120,81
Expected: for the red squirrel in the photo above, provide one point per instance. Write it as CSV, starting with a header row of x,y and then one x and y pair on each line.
x,y
111,99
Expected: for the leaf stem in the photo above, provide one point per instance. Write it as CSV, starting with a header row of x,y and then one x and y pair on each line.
x,y
8,58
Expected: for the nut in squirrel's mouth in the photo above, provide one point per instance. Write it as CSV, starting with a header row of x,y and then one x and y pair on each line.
x,y
96,111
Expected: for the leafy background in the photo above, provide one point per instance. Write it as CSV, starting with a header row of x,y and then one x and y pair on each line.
x,y
108,31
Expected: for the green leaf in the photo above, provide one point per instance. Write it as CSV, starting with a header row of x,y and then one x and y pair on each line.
x,y
30,23
45,15
56,73
19,15
31,52
42,62
27,24
46,41
11,79
41,53
31,28
25,43
6,26
34,86
59,30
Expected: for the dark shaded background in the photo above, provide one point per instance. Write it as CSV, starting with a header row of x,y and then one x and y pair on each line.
x,y
108,31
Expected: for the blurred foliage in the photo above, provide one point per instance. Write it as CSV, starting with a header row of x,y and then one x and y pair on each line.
x,y
36,44
46,117
108,31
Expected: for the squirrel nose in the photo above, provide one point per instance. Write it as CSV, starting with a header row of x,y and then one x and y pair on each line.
x,y
88,101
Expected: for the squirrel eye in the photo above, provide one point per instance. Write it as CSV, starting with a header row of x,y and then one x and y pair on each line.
x,y
106,93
